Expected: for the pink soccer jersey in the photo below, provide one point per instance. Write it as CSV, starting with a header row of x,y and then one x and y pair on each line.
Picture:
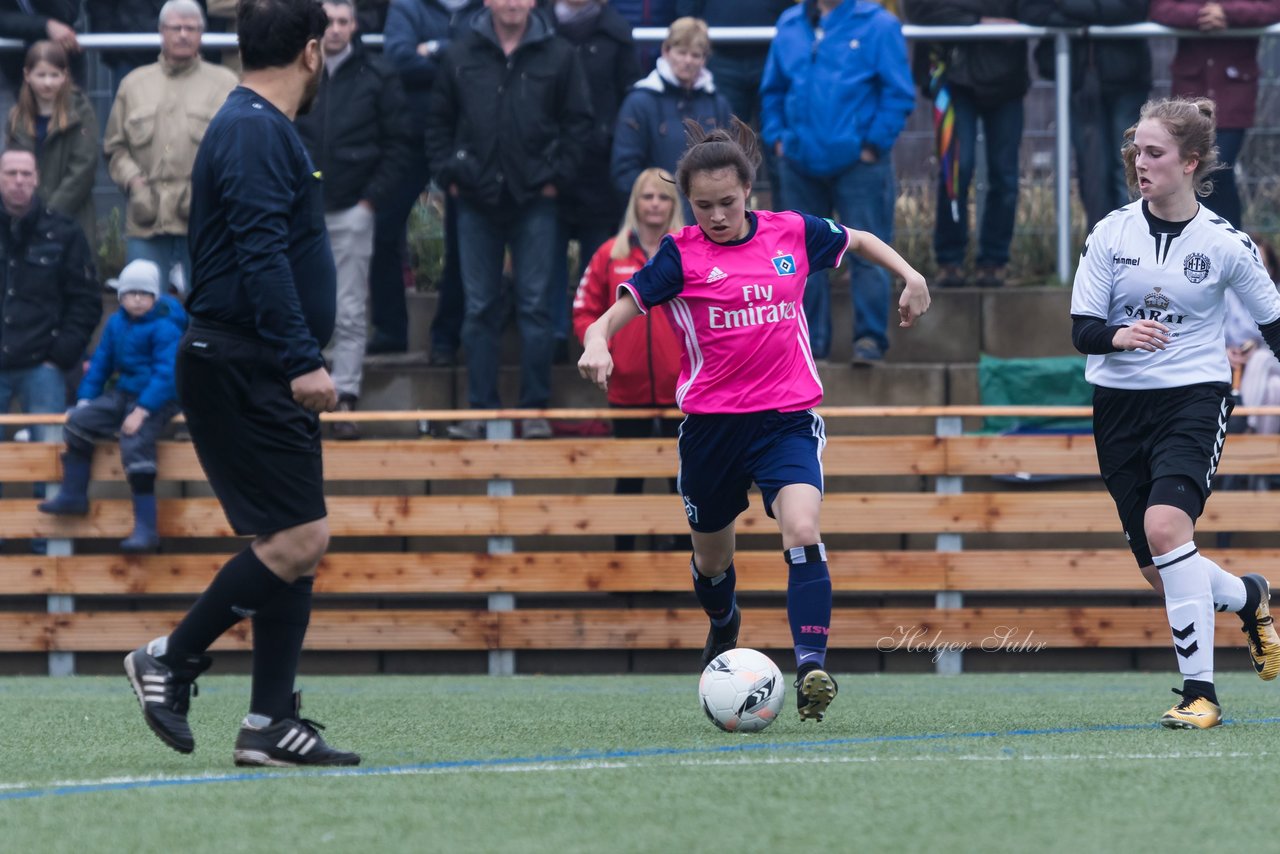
x,y
738,310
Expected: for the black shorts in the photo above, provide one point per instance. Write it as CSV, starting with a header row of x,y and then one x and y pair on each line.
x,y
259,449
1144,436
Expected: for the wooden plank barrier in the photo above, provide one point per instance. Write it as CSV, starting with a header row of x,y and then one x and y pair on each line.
x,y
397,597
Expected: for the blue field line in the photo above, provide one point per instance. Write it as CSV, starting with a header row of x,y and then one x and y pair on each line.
x,y
562,759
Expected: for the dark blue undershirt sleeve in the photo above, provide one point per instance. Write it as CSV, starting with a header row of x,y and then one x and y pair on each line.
x,y
256,177
662,279
824,240
1092,336
1271,334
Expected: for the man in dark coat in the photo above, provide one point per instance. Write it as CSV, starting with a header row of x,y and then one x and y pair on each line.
x,y
49,295
509,114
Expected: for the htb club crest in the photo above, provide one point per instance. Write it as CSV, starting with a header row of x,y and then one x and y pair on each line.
x,y
1196,267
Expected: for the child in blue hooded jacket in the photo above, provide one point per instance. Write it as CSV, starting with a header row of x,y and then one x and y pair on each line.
x,y
138,349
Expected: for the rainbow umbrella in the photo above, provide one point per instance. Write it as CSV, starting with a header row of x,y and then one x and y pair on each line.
x,y
944,130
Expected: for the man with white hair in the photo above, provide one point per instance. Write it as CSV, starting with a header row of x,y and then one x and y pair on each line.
x,y
156,124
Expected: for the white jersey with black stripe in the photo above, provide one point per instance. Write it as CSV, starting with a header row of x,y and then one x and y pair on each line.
x,y
1130,270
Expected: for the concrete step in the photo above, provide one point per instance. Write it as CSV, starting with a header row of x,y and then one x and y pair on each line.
x,y
962,322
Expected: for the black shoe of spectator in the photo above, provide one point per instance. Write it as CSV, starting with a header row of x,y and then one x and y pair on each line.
x,y
442,359
380,342
991,277
951,276
346,431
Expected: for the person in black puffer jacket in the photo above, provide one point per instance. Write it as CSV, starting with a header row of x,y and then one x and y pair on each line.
x,y
987,81
1110,80
510,113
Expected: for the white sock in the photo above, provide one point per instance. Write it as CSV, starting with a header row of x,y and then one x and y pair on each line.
x,y
1188,602
1228,589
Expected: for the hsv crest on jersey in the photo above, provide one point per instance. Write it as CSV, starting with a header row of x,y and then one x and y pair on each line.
x,y
784,265
1196,267
1156,300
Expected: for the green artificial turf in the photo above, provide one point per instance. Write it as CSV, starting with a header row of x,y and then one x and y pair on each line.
x,y
1057,762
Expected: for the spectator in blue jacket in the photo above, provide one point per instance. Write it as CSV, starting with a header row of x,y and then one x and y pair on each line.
x,y
416,32
138,348
836,93
650,130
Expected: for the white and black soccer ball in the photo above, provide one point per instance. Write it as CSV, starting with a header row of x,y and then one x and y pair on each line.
x,y
742,691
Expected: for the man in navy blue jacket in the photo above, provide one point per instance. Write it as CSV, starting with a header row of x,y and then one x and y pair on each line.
x,y
833,107
251,380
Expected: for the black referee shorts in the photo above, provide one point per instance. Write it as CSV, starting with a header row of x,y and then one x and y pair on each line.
x,y
259,449
1146,436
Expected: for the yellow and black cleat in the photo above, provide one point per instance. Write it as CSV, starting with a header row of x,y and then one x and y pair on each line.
x,y
815,689
1192,712
1260,631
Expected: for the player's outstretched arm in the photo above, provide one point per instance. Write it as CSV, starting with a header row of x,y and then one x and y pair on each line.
x,y
596,364
915,296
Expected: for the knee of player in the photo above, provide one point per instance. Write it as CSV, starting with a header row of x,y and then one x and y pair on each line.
x,y
1167,528
801,532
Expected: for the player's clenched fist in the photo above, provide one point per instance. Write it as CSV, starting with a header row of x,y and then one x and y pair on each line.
x,y
596,364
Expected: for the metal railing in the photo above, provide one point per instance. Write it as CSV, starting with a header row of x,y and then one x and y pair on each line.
x,y
985,32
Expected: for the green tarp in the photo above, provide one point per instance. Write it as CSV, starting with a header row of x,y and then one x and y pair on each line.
x,y
1046,381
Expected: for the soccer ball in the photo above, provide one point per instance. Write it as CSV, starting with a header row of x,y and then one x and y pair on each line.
x,y
742,691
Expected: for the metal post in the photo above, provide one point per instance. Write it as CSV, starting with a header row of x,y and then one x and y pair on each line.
x,y
502,662
60,663
1062,150
950,661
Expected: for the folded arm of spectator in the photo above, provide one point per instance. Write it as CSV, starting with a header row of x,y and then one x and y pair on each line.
x,y
406,28
1243,14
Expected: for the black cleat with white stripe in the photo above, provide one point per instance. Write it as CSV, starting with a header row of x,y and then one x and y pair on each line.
x,y
287,742
164,690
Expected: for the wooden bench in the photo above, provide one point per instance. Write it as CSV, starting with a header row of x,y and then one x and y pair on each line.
x,y
562,489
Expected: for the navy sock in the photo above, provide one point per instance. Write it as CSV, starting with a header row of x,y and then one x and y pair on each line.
x,y
809,603
241,587
716,595
278,630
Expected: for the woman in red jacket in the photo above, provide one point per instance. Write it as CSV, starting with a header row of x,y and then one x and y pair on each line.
x,y
1224,69
646,355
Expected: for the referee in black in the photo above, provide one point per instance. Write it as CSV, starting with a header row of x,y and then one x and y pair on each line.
x,y
251,381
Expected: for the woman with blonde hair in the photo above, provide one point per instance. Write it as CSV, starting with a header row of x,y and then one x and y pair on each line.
x,y
54,120
1148,307
646,355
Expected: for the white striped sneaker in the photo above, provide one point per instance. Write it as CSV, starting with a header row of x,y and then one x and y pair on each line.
x,y
164,691
287,742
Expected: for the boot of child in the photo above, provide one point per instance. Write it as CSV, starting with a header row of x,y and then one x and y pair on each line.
x,y
144,538
73,495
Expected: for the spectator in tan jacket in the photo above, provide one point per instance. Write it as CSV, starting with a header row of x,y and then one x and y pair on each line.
x,y
156,124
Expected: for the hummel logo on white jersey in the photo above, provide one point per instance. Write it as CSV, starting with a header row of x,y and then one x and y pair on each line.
x,y
716,275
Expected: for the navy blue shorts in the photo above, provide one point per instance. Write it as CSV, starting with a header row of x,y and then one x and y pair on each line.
x,y
721,455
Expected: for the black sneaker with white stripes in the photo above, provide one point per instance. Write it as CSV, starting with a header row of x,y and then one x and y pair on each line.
x,y
287,742
164,690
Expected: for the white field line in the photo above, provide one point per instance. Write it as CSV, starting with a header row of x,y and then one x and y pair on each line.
x,y
536,767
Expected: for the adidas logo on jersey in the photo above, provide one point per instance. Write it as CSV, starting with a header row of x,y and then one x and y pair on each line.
x,y
716,275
